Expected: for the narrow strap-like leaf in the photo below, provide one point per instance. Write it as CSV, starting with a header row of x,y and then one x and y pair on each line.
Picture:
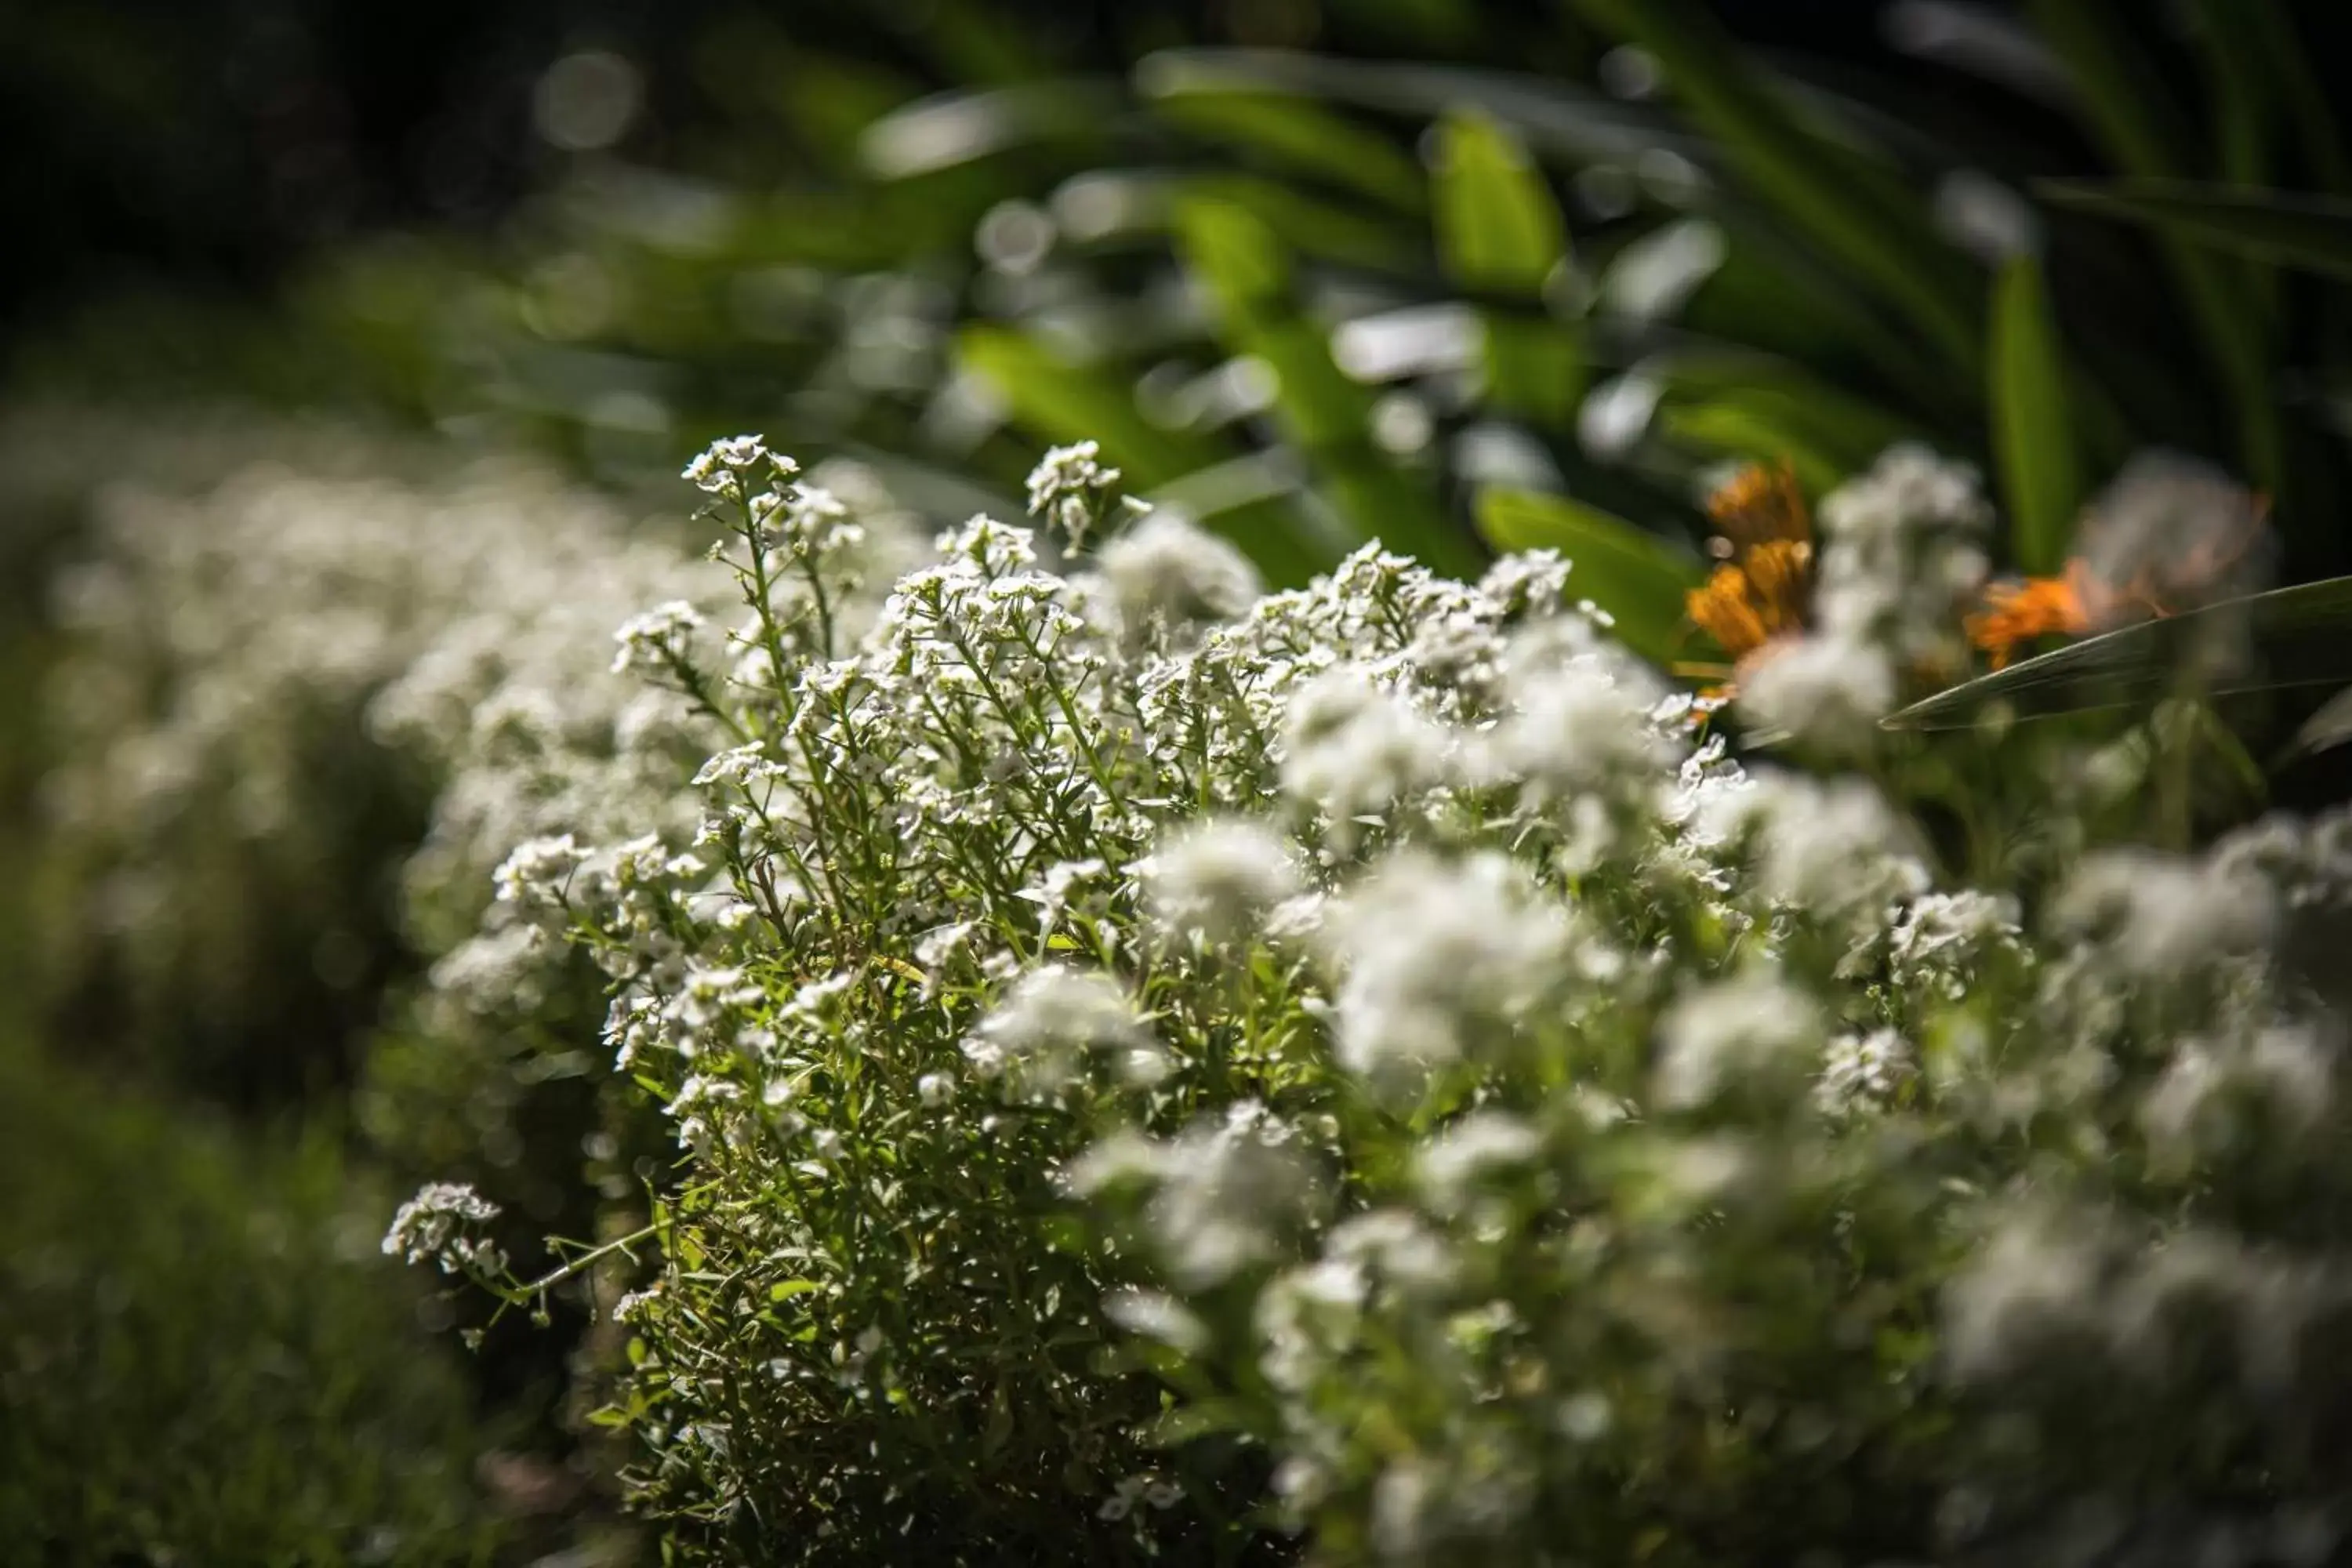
x,y
2284,228
2032,426
1858,213
2289,637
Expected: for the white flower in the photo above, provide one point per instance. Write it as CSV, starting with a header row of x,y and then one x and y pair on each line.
x,y
1069,487
1156,1315
2309,861
1836,850
1394,1247
1581,718
2033,1287
810,522
2285,1071
1909,487
1899,559
2167,522
1051,1015
1439,960
1742,1033
1481,1144
1829,692
1223,1194
719,468
438,1226
1052,892
1864,1072
1940,941
659,641
939,947
538,871
1408,1509
1166,569
1352,749
1215,878
2161,916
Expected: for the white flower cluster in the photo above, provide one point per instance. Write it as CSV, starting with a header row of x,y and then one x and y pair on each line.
x,y
1071,488
440,1225
731,468
453,622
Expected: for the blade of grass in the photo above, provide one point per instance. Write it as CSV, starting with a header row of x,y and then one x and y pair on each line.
x,y
2329,727
950,129
1555,119
2244,112
2244,102
2286,66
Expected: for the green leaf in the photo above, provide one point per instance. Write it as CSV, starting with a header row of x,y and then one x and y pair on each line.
x,y
1743,428
1499,229
2289,637
1236,255
785,1290
1535,367
2284,228
1288,131
1845,432
1059,400
1639,579
2033,428
1500,233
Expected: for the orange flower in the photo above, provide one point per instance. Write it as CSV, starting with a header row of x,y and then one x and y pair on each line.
x,y
1759,502
1757,599
2166,537
1748,606
2017,613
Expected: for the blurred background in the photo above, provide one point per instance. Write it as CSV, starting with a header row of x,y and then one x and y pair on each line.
x,y
305,303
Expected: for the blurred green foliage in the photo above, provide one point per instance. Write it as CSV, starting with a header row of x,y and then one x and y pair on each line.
x,y
1317,295
203,1359
1409,269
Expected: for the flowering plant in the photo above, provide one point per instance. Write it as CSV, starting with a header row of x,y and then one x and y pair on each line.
x,y
1155,1067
